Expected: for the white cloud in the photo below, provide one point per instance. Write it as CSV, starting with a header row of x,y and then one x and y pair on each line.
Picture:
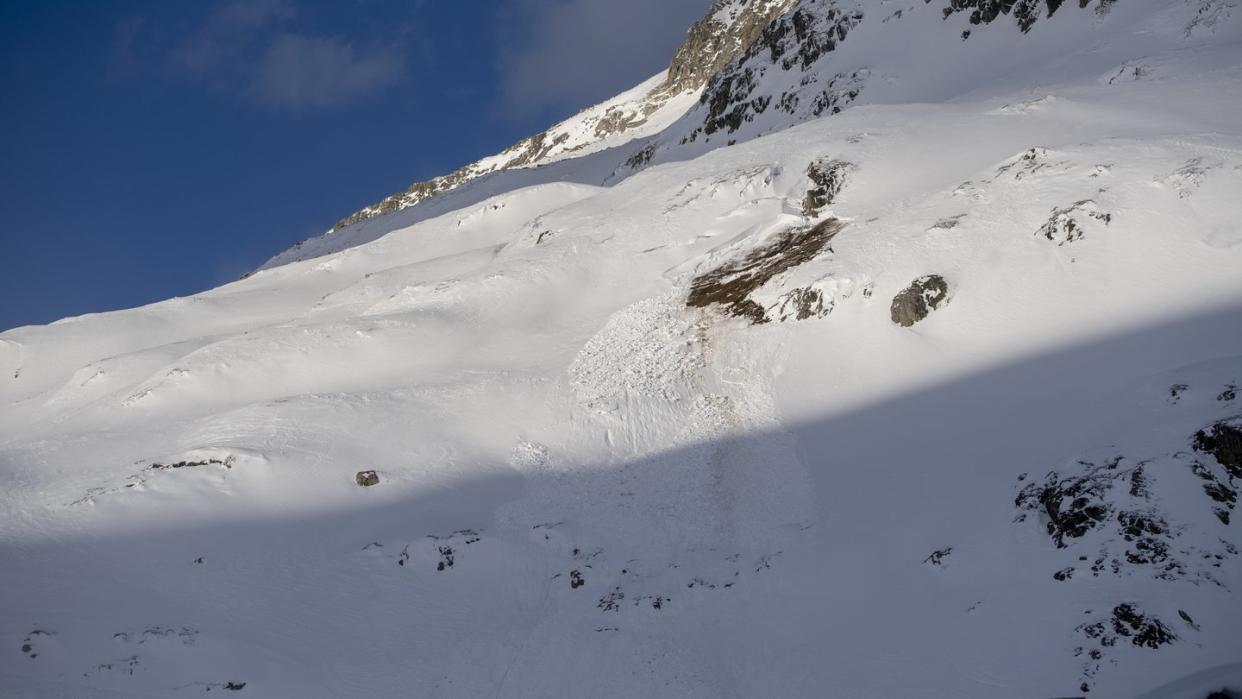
x,y
311,71
253,47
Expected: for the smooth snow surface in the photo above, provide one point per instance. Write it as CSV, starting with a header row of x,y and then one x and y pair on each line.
x,y
588,488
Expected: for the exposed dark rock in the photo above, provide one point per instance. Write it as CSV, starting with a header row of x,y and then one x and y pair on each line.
x,y
916,301
730,284
1223,441
576,580
611,602
1025,12
30,644
366,478
1176,391
948,223
800,304
1127,621
1030,162
1073,506
640,158
827,177
794,41
711,44
447,558
1230,393
1221,493
1066,225
1147,533
937,557
1139,485
227,463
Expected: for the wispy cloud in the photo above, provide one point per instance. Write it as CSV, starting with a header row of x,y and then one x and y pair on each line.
x,y
312,71
261,50
566,54
229,39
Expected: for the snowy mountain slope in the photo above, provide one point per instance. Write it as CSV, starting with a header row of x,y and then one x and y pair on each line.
x,y
729,27
820,57
590,483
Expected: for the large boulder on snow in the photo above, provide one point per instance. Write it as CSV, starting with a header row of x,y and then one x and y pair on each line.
x,y
916,301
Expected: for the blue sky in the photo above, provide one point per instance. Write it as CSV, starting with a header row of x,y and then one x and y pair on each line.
x,y
156,149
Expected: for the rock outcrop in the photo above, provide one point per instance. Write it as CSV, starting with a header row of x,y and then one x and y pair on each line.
x,y
827,178
918,300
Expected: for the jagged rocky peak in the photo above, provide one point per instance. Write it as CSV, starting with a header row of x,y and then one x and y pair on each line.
x,y
792,70
729,27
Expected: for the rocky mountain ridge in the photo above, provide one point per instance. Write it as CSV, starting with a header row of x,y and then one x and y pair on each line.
x,y
753,67
729,27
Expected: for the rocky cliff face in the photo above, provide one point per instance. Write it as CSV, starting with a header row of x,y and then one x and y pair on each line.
x,y
791,68
725,32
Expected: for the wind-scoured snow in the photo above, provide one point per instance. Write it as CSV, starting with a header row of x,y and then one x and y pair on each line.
x,y
590,485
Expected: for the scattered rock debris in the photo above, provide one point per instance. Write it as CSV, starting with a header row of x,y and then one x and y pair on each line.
x,y
366,479
30,644
226,462
1127,621
611,602
1176,391
1069,224
226,686
947,223
184,634
1072,506
124,666
447,558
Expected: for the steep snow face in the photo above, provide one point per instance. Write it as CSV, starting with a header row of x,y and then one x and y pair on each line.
x,y
914,400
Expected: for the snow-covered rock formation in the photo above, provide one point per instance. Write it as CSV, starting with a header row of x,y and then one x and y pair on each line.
x,y
899,356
